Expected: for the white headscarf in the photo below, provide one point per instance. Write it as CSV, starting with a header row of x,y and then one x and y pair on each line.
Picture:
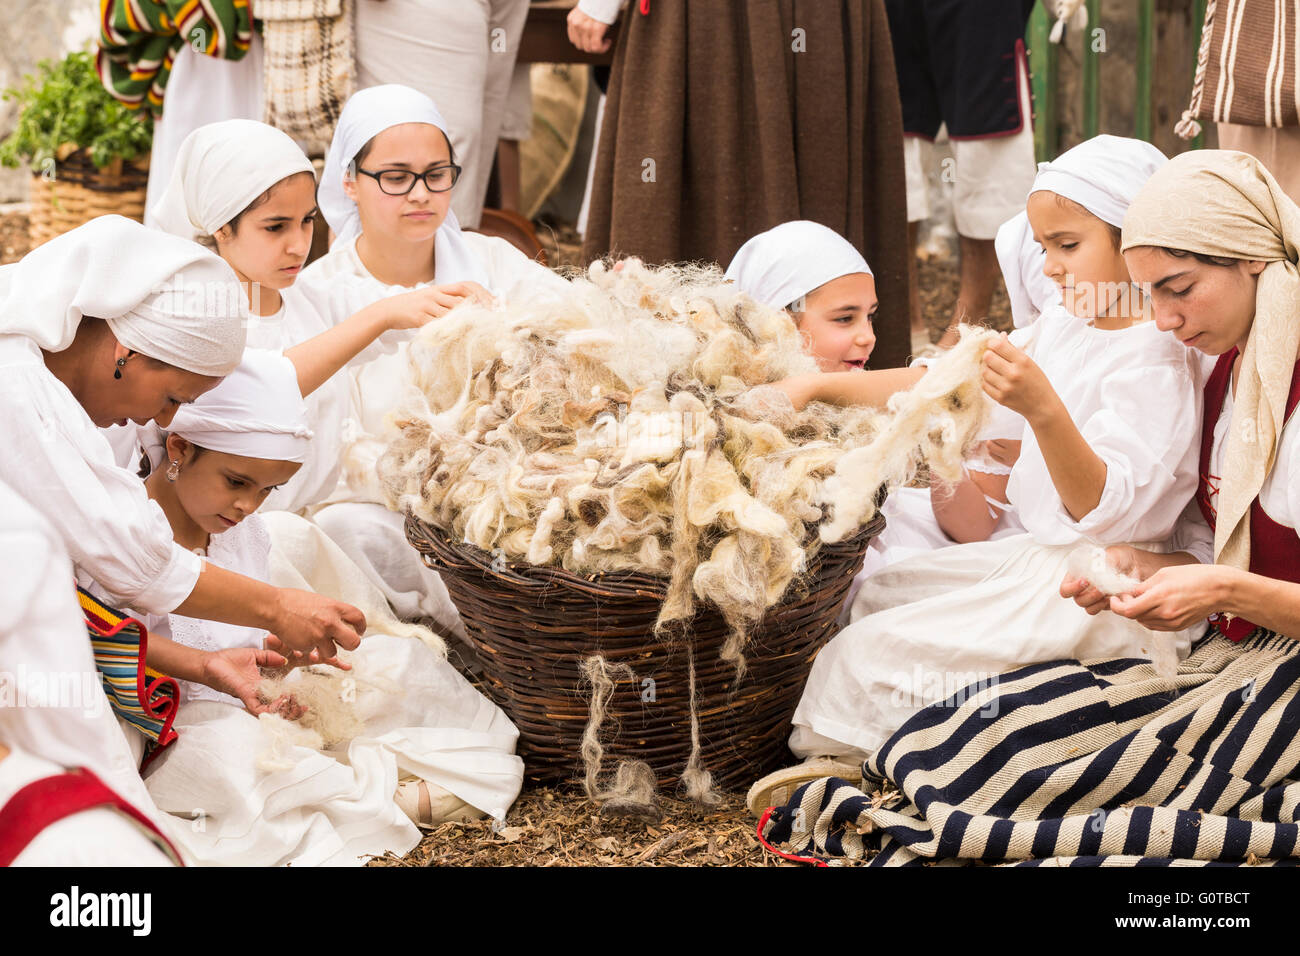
x,y
256,411
1102,174
367,114
788,261
220,170
1021,258
163,297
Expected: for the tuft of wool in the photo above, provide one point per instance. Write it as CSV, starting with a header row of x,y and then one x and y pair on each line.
x,y
633,788
935,421
625,428
1089,562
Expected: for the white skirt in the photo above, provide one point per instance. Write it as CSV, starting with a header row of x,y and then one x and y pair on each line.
x,y
928,628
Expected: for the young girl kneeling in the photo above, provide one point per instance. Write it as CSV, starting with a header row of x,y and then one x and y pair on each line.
x,y
399,737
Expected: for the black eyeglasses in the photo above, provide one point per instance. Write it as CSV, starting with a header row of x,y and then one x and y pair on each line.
x,y
399,182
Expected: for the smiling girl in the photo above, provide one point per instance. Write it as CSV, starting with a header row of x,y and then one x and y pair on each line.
x,y
1109,457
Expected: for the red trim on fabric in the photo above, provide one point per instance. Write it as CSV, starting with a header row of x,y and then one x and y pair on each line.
x,y
762,822
1021,61
144,688
48,800
645,8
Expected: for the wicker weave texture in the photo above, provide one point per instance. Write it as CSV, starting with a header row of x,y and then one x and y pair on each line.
x,y
79,192
532,627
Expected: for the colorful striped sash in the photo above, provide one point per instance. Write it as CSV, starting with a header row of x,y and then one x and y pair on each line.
x,y
138,694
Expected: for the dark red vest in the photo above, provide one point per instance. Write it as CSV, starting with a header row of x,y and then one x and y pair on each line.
x,y
50,799
1274,548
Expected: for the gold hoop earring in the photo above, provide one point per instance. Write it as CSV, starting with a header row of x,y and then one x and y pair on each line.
x,y
174,471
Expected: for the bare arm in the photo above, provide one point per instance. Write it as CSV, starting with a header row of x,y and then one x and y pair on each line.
x,y
961,510
849,388
323,355
304,622
1013,379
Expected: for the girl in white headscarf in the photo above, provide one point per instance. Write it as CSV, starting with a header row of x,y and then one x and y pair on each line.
x,y
114,322
338,761
1109,457
386,192
246,190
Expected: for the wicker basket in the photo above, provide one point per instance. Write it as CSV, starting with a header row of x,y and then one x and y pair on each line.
x,y
532,626
79,192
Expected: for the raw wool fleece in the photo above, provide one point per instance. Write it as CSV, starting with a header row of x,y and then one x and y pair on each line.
x,y
623,429
1090,563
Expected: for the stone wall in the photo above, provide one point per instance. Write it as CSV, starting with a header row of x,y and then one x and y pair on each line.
x,y
31,31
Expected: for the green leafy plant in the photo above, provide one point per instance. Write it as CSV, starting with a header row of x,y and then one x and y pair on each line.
x,y
69,105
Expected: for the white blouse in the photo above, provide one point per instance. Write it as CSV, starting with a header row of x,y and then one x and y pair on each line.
x,y
1135,395
63,465
1280,496
244,549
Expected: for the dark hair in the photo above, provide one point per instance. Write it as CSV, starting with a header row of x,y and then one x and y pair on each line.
x,y
1201,257
210,242
364,151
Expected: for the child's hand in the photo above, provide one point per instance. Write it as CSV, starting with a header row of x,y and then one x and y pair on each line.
x,y
1005,451
1124,559
237,671
1011,378
411,310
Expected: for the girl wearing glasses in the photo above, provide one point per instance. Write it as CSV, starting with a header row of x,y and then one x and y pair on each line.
x,y
386,193
246,191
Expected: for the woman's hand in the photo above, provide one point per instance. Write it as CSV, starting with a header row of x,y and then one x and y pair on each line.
x,y
411,310
237,671
1011,378
309,625
1174,598
273,643
587,33
1124,559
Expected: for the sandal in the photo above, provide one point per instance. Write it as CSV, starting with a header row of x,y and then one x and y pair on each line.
x,y
778,787
429,805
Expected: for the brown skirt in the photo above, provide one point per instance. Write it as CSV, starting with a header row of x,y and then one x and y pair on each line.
x,y
726,118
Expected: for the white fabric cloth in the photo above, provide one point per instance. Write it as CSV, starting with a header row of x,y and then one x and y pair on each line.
x,y
606,11
1021,260
1138,405
162,296
52,701
220,169
256,411
58,461
200,90
268,801
97,837
1101,174
785,263
971,612
925,627
462,54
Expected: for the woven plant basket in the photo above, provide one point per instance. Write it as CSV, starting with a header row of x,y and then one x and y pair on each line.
x,y
532,626
78,192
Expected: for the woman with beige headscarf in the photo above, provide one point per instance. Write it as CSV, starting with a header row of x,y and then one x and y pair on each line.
x,y
1215,240
1112,761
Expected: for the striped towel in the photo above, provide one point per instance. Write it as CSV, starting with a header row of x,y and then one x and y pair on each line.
x,y
1247,67
140,695
139,40
1064,763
